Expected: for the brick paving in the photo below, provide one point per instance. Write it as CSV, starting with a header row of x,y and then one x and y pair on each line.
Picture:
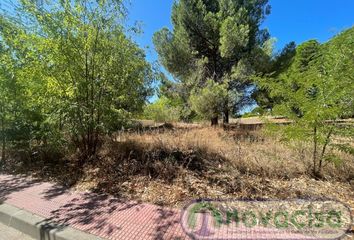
x,y
109,217
98,214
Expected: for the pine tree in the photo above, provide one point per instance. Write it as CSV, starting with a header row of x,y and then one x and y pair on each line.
x,y
214,39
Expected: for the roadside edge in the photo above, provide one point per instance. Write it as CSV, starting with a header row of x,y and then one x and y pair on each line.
x,y
38,227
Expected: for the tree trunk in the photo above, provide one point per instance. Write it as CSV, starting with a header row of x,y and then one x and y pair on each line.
x,y
214,121
3,148
226,116
324,148
226,111
314,158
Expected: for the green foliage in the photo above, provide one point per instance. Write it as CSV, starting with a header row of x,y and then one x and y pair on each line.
x,y
258,111
218,40
314,90
178,95
162,110
69,71
277,65
209,101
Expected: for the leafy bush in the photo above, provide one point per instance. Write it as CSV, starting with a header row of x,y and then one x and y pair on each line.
x,y
210,100
162,110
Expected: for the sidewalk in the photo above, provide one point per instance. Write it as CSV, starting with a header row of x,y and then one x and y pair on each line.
x,y
100,215
105,216
8,233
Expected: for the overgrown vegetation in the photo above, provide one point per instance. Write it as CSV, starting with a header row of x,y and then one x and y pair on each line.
x,y
315,91
72,81
172,166
69,75
162,110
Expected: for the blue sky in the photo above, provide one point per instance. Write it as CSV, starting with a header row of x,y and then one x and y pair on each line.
x,y
290,20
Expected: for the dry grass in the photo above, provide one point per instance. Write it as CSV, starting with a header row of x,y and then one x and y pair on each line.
x,y
250,153
172,166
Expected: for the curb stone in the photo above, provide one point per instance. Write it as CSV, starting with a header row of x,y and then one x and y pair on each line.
x,y
37,227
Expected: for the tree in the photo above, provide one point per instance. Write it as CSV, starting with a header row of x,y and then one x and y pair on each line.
x,y
18,117
209,101
179,96
84,77
215,39
315,91
4,100
162,110
277,64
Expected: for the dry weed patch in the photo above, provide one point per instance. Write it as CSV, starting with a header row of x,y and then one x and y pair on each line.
x,y
172,166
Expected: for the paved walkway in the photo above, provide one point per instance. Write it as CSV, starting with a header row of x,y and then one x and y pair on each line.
x,y
100,215
106,216
8,233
